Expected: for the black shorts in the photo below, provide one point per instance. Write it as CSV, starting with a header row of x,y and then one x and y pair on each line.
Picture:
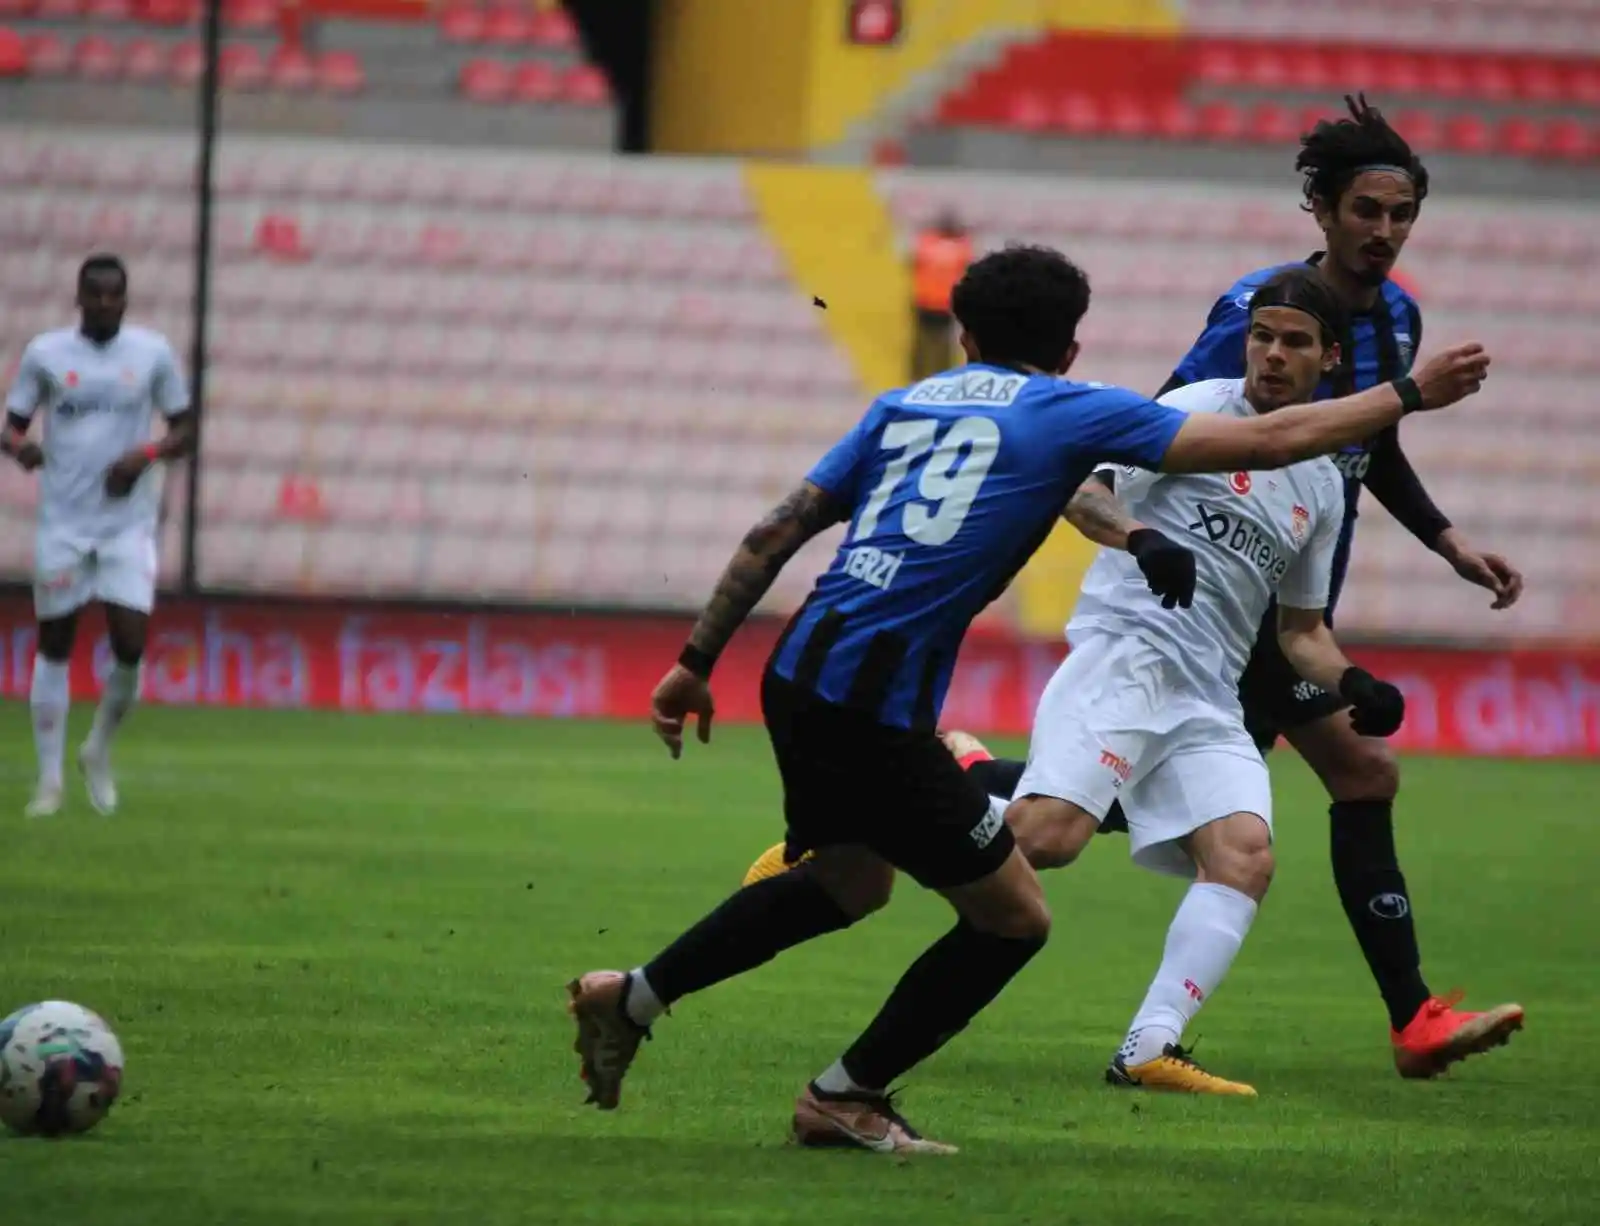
x,y
1276,699
849,779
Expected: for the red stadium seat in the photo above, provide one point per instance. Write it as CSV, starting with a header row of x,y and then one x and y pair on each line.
x,y
1029,111
1220,65
48,55
1273,124
13,53
186,63
536,82
1310,68
280,237
240,66
553,28
1266,66
586,85
96,58
1520,137
1490,80
1540,81
16,8
170,12
291,70
250,15
108,10
340,72
1421,129
1080,115
507,27
1129,117
1445,76
144,60
1583,84
59,10
1175,119
1569,139
1221,121
462,23
486,80
1468,134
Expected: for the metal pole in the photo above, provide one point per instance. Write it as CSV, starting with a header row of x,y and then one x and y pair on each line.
x,y
212,40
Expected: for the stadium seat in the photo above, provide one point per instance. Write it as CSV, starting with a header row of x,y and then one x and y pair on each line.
x,y
241,66
553,28
462,23
486,80
291,70
585,85
340,72
48,55
13,53
186,64
536,82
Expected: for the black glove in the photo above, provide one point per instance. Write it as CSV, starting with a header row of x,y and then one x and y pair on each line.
x,y
1376,707
1168,567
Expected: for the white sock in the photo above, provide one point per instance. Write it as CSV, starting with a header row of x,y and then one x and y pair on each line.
x,y
48,700
643,1005
835,1080
1205,936
122,688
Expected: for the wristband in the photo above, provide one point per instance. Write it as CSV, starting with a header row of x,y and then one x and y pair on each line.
x,y
698,662
151,452
1410,394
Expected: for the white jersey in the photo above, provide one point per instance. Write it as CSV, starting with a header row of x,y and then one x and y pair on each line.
x,y
99,402
1254,535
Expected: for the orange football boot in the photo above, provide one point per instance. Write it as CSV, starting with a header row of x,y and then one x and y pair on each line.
x,y
1441,1034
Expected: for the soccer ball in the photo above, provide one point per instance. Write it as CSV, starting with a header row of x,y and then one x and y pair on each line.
x,y
60,1069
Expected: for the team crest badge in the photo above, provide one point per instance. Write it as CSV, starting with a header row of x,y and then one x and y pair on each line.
x,y
72,378
1299,523
1239,483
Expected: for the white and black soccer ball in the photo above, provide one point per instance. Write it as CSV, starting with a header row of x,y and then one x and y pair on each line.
x,y
60,1069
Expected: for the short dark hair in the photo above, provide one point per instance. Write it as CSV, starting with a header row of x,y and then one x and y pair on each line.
x,y
1334,152
103,261
1300,287
1021,306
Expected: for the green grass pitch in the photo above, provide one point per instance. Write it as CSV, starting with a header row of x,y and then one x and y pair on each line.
x,y
335,951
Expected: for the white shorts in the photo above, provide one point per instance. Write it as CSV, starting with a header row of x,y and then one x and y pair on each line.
x,y
71,571
1117,722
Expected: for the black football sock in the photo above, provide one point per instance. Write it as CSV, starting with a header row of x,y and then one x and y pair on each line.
x,y
997,776
1373,891
753,925
933,1002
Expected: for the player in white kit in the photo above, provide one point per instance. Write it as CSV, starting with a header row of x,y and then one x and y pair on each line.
x,y
98,387
1145,708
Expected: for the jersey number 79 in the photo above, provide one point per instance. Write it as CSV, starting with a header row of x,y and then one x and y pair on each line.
x,y
947,484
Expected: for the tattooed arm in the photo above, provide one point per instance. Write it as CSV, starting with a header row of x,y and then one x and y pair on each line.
x,y
1095,512
765,550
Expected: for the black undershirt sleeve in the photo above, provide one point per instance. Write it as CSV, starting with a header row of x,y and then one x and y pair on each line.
x,y
1395,484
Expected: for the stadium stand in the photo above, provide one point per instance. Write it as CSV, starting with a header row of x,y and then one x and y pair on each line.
x,y
1474,79
576,379
412,393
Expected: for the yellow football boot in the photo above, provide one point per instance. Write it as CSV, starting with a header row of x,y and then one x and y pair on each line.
x,y
1176,1071
770,863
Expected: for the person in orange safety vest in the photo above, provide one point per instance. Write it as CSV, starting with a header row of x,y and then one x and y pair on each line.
x,y
938,261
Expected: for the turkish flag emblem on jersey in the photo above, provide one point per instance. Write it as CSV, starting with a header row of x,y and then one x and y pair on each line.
x,y
1239,483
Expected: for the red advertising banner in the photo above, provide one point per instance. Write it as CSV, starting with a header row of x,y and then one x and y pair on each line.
x,y
358,658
